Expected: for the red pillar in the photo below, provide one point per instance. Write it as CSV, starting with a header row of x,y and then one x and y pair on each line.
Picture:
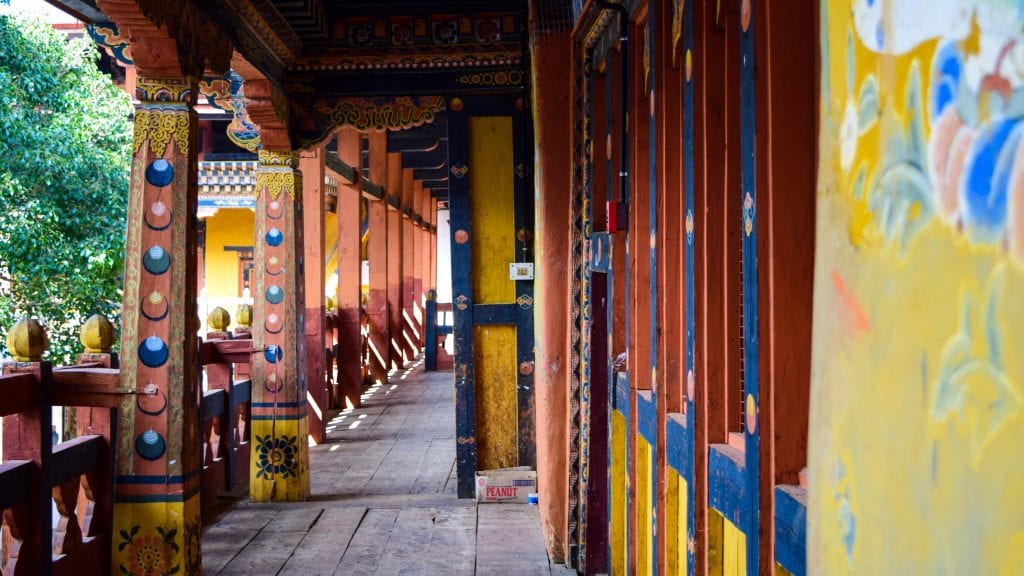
x,y
377,253
410,331
350,374
311,165
551,70
393,188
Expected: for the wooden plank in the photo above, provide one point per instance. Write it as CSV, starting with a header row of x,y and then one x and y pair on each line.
x,y
364,552
266,553
727,483
18,393
294,520
791,529
227,352
321,551
212,404
74,458
484,314
14,481
509,541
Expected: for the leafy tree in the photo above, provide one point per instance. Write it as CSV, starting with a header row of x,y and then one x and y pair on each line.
x,y
65,153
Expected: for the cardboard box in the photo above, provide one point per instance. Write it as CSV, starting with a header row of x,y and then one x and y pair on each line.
x,y
506,484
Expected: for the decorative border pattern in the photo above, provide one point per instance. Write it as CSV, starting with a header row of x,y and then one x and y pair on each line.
x,y
581,215
372,113
109,37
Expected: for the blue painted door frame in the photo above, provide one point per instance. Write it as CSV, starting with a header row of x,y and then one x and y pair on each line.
x,y
467,314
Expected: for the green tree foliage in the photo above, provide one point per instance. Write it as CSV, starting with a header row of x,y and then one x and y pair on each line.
x,y
65,153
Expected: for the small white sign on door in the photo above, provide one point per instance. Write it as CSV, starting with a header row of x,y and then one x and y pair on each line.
x,y
520,271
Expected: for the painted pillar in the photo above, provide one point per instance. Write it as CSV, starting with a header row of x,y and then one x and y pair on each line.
x,y
280,452
350,374
311,165
419,257
156,502
377,254
393,189
432,242
410,339
551,105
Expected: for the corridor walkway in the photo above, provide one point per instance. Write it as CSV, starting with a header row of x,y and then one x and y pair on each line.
x,y
383,502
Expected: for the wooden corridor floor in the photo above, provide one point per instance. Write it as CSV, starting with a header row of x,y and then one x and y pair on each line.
x,y
383,502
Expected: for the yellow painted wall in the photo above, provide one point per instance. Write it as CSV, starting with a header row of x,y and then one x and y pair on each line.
x,y
675,524
228,227
917,404
492,226
727,547
644,528
619,510
330,252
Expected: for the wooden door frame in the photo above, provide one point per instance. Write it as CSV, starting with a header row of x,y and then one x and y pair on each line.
x,y
467,314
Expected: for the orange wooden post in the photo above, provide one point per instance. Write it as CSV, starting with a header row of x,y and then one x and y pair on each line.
x,y
377,253
311,164
410,331
419,262
349,321
26,424
393,188
280,452
552,129
158,459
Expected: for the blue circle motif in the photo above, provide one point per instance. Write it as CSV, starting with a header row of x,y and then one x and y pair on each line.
x,y
156,260
274,294
273,354
274,237
153,352
150,445
159,173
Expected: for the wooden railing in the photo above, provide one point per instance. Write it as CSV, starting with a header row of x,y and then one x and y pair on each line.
x,y
75,475
224,413
334,357
437,357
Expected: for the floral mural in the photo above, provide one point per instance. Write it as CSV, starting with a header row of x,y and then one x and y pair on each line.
x,y
918,375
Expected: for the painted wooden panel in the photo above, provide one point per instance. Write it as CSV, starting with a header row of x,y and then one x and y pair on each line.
x,y
619,510
491,201
727,547
676,506
644,507
919,278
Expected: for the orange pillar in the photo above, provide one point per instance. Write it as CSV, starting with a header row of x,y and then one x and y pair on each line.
x,y
552,115
158,447
411,332
377,254
350,310
393,188
311,164
419,263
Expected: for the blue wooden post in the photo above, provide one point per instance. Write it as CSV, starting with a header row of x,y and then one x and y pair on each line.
x,y
430,329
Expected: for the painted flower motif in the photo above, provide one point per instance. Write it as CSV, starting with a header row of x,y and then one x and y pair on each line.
x,y
488,30
277,456
401,33
361,35
148,554
446,32
193,558
849,132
